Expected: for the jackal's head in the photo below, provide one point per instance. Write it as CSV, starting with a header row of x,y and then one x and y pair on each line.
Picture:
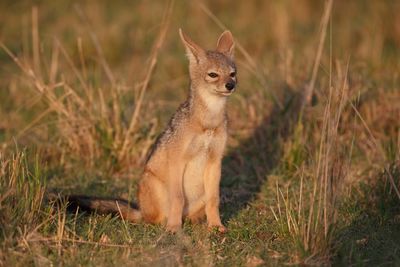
x,y
212,72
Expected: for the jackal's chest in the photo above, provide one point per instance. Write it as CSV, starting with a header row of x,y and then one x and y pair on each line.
x,y
200,143
198,153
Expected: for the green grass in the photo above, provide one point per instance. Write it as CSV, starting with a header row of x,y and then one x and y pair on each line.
x,y
302,185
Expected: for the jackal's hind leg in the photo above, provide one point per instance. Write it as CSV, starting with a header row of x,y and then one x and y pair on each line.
x,y
153,199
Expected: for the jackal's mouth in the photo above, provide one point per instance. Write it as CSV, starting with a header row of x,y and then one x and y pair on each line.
x,y
224,93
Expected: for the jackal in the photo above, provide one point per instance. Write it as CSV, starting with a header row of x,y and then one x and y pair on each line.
x,y
182,173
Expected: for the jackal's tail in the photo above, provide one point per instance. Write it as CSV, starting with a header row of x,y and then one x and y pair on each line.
x,y
101,205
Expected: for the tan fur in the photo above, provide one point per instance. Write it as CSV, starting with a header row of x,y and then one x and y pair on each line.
x,y
182,174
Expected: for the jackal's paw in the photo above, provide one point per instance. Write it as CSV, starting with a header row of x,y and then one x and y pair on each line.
x,y
173,228
219,227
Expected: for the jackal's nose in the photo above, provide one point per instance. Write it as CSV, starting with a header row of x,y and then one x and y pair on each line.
x,y
230,86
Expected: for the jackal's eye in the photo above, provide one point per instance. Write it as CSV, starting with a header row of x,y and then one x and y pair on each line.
x,y
212,74
232,74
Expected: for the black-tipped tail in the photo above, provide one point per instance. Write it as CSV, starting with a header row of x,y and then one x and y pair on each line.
x,y
101,205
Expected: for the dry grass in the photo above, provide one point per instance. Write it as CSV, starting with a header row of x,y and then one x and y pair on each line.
x,y
309,216
89,119
311,174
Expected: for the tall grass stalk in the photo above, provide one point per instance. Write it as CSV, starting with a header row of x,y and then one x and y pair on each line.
x,y
308,215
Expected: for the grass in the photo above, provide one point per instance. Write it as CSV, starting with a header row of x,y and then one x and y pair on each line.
x,y
311,173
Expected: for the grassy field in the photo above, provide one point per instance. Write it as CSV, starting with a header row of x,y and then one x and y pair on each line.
x,y
311,174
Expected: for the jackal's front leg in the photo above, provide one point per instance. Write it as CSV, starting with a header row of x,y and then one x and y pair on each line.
x,y
176,196
212,178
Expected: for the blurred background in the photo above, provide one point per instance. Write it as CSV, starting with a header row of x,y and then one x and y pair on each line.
x,y
100,40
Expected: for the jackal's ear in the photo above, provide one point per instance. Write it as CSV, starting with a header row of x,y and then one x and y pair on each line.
x,y
225,44
193,51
